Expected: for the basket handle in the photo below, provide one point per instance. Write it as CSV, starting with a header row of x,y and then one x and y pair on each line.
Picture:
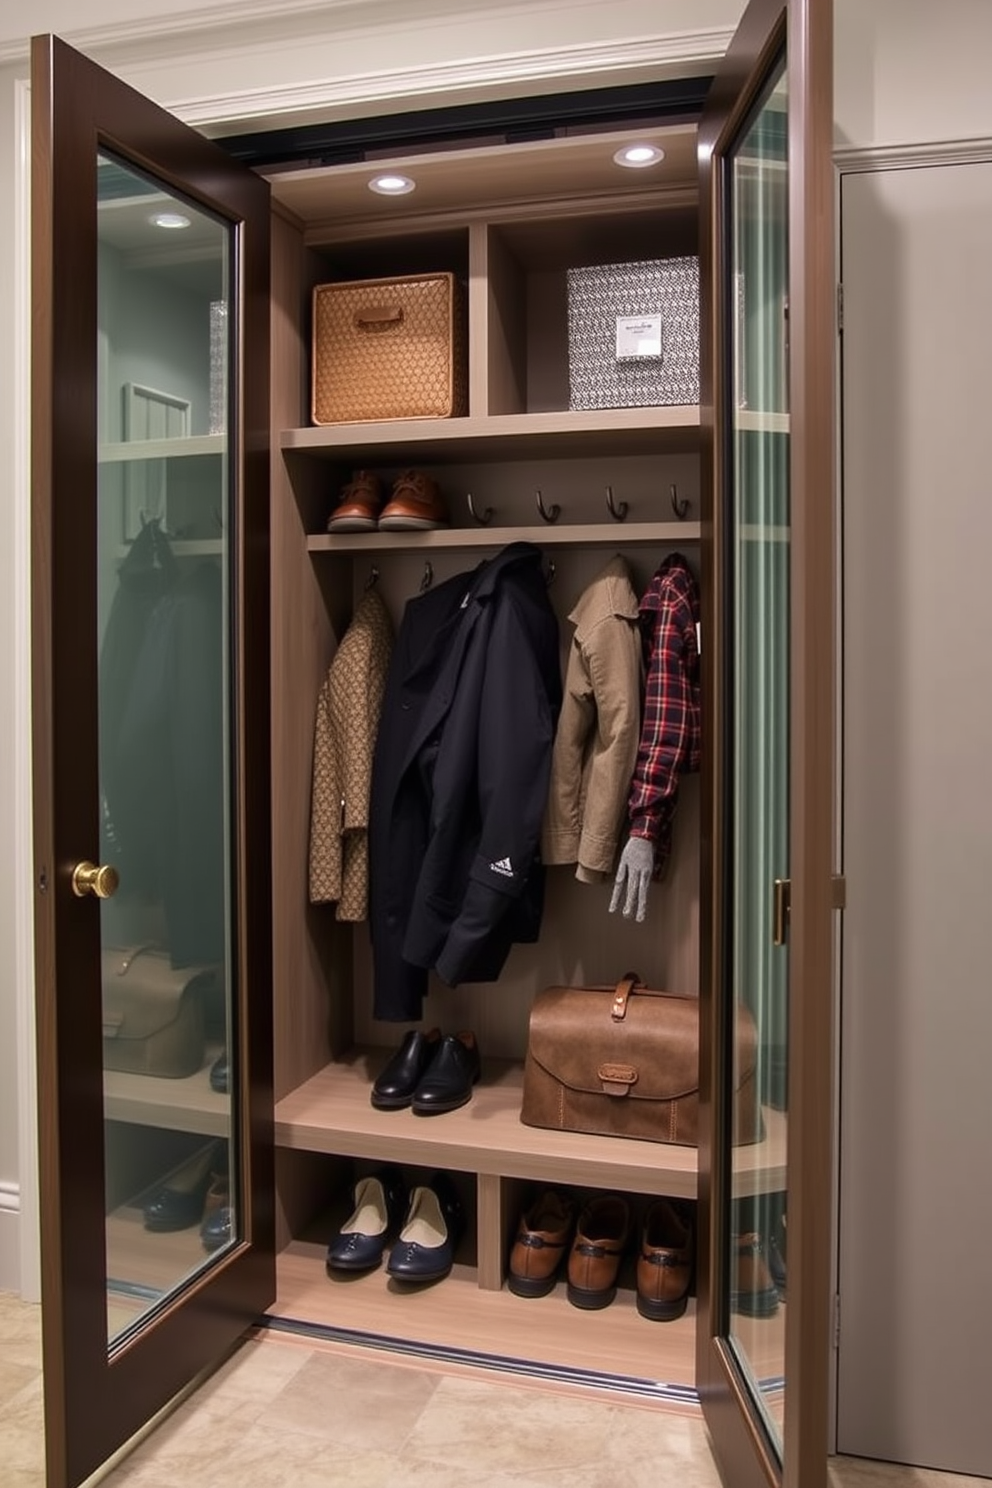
x,y
378,315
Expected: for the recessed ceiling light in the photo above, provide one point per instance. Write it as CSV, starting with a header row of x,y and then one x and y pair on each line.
x,y
391,185
637,156
170,219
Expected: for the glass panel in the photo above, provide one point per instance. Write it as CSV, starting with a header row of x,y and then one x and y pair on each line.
x,y
757,182
164,682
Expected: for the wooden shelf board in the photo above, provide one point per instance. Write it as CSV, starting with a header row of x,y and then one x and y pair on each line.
x,y
162,449
588,535
505,436
331,1113
456,1314
186,1105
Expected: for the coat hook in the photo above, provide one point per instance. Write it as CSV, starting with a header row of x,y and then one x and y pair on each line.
x,y
372,579
483,518
550,571
549,516
680,508
617,512
428,578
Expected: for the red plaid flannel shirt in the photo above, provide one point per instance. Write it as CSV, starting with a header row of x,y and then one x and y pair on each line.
x,y
670,730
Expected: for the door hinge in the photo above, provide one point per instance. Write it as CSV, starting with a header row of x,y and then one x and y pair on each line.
x,y
836,1319
840,308
781,901
839,883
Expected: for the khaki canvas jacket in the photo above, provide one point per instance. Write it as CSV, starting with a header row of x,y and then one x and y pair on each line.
x,y
345,728
596,742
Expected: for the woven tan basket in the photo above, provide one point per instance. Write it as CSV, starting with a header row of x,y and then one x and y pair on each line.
x,y
388,349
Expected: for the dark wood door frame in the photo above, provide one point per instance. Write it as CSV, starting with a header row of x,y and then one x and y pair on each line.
x,y
746,1457
95,1400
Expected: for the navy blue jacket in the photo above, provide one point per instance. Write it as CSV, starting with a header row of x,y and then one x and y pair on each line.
x,y
460,780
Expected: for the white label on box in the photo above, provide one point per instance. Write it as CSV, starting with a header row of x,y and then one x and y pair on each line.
x,y
638,336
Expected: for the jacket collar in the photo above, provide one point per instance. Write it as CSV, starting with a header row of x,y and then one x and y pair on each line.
x,y
610,593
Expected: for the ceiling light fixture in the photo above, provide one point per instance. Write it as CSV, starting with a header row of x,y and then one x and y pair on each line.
x,y
170,219
391,185
637,156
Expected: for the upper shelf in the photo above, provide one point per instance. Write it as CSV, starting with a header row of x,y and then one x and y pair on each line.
x,y
634,431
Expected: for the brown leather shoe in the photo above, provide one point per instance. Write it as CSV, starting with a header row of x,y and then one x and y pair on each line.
x,y
752,1290
415,504
600,1240
359,505
543,1234
664,1266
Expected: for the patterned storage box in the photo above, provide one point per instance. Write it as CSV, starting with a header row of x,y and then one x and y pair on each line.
x,y
633,334
389,348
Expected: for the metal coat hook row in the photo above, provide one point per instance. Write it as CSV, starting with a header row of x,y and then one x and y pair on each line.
x,y
428,577
680,508
548,516
483,518
616,510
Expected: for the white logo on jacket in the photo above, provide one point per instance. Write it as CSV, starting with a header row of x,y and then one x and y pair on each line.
x,y
502,865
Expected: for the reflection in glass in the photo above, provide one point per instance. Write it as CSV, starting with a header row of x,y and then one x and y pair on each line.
x,y
164,646
760,560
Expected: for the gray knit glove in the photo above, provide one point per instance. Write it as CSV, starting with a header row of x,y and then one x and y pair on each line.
x,y
633,878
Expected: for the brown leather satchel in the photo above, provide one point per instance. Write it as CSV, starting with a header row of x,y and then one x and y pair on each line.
x,y
623,1061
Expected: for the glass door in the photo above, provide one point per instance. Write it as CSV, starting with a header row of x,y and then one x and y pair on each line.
x,y
765,156
151,761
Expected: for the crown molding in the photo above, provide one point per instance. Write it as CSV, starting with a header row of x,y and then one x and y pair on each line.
x,y
903,157
644,58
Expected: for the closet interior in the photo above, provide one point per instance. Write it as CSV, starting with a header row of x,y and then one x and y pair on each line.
x,y
508,221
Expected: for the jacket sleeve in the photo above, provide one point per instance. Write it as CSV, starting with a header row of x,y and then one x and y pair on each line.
x,y
613,659
516,730
670,732
325,807
563,821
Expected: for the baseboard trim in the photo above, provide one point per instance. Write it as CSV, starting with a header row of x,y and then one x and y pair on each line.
x,y
10,1238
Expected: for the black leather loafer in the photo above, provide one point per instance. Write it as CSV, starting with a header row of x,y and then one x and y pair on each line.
x,y
425,1250
179,1203
361,1240
449,1080
217,1228
394,1087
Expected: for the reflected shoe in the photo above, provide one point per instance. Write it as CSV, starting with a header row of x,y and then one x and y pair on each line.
x,y
425,1250
217,1227
450,1076
752,1291
359,504
361,1240
394,1087
600,1241
543,1234
415,505
180,1202
664,1263
776,1260
220,1074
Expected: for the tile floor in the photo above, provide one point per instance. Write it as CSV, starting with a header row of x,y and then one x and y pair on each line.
x,y
286,1413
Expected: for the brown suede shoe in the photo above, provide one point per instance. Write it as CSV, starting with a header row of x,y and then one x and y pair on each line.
x,y
752,1289
415,504
600,1240
664,1266
542,1237
359,505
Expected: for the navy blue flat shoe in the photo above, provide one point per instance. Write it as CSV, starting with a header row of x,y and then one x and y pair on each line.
x,y
361,1240
425,1250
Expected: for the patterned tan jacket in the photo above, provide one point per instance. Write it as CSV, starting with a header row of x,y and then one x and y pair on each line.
x,y
598,731
347,721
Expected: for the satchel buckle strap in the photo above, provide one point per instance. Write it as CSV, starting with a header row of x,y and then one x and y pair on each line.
x,y
617,1079
621,996
538,1242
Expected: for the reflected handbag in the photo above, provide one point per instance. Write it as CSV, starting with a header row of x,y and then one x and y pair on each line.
x,y
623,1061
153,1014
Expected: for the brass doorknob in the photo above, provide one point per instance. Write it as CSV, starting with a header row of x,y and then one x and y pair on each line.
x,y
89,878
